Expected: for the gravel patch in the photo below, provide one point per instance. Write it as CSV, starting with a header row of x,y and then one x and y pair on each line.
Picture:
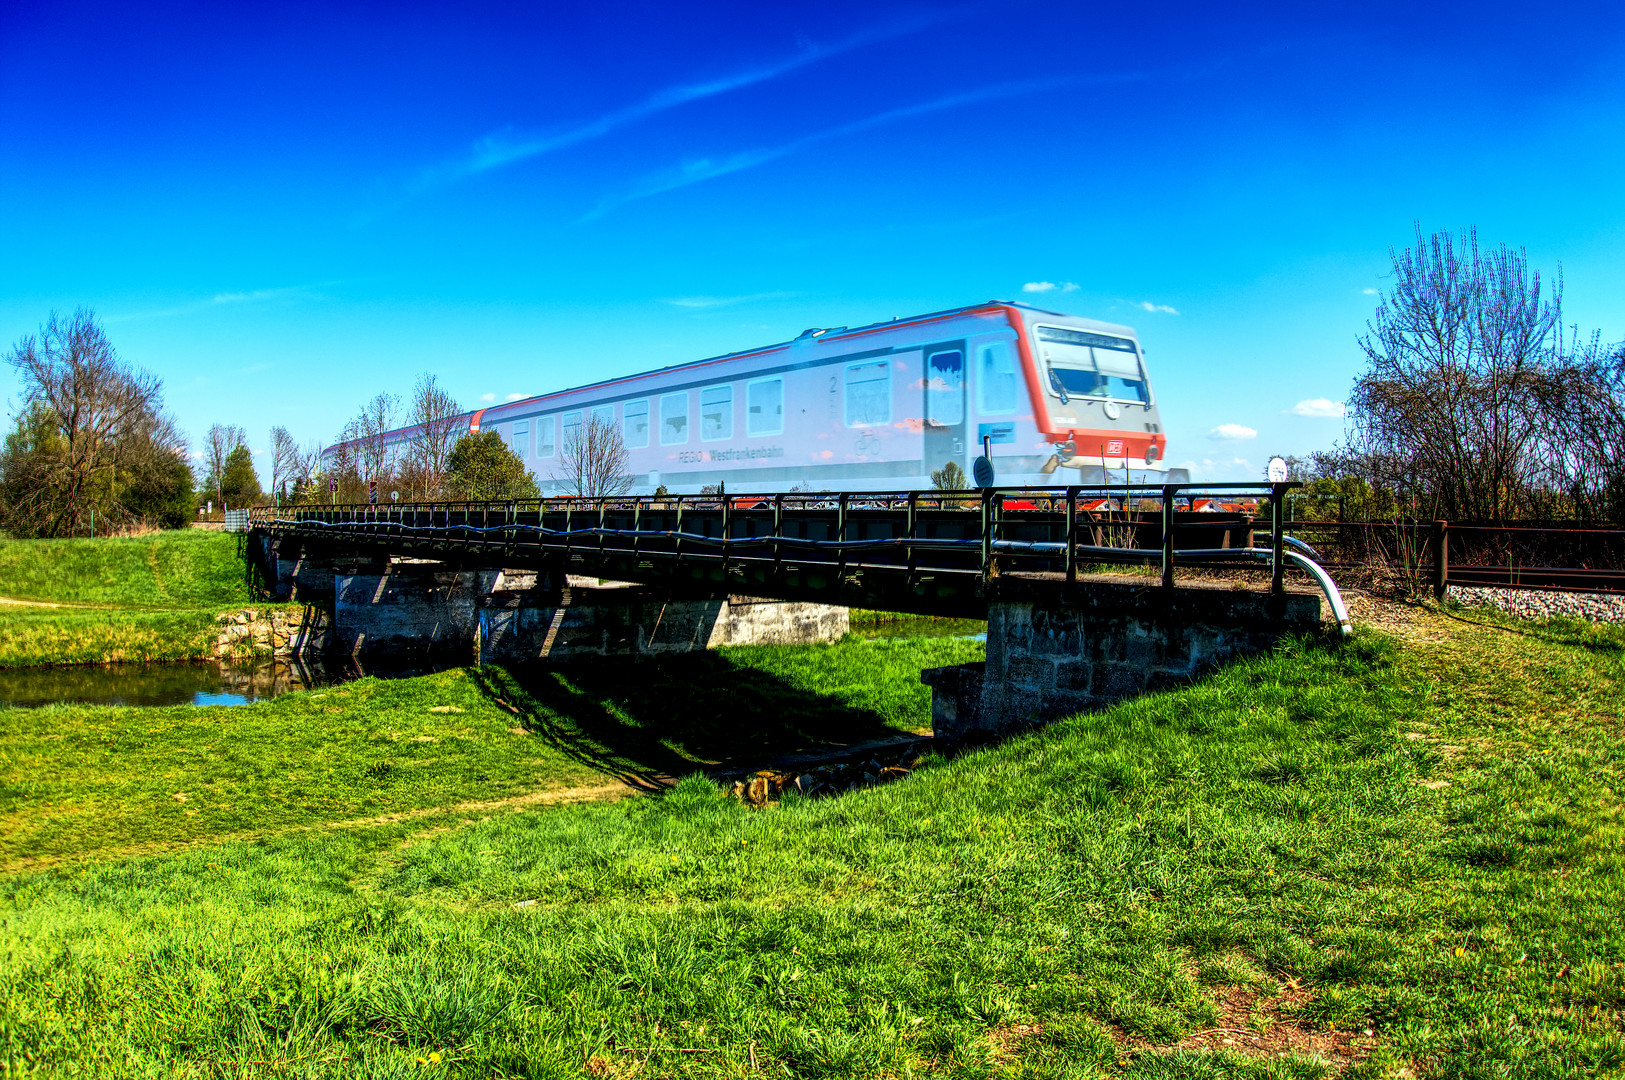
x,y
1542,603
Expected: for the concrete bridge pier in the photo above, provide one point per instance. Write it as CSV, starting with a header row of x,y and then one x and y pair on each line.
x,y
1055,651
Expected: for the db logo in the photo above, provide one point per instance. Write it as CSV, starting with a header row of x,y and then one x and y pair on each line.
x,y
1114,447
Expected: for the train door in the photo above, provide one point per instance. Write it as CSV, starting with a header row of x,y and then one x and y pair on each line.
x,y
944,405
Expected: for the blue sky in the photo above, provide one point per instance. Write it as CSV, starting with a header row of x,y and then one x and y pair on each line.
x,y
283,210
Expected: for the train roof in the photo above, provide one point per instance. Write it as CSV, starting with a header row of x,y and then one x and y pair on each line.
x,y
818,333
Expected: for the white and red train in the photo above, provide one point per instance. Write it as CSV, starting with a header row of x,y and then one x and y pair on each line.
x,y
1058,400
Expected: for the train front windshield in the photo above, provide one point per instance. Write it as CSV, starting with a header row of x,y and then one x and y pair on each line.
x,y
1088,365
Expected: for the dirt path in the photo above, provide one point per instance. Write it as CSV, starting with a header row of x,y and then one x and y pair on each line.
x,y
547,797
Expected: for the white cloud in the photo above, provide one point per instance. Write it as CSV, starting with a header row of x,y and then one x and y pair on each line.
x,y
1317,407
1232,433
1039,286
1220,470
1146,305
1369,292
699,170
233,299
488,398
506,146
516,397
701,302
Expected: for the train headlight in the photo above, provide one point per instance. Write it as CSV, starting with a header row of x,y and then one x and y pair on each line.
x,y
1152,453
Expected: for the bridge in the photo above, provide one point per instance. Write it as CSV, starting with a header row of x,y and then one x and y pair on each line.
x,y
1060,575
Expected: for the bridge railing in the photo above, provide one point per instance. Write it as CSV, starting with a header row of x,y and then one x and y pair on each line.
x,y
1058,530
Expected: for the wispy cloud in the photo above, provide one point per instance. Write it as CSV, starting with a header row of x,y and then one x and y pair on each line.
x,y
1049,286
507,146
1216,469
230,299
1146,305
516,397
1368,292
1232,433
1316,407
699,303
702,169
488,398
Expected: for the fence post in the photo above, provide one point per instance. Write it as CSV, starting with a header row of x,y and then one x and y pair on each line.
x,y
1071,535
778,532
1277,543
1441,558
727,529
677,543
1168,537
912,527
840,540
987,534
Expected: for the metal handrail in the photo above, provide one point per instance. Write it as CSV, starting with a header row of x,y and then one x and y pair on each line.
x,y
999,509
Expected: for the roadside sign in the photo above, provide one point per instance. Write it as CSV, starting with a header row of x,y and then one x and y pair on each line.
x,y
1277,470
372,493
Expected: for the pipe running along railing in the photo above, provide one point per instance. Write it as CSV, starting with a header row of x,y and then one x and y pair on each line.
x,y
955,532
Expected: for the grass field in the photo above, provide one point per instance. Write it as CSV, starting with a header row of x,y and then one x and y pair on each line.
x,y
191,568
147,598
1400,857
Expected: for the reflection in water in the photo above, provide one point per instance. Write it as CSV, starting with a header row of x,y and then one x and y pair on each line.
x,y
198,683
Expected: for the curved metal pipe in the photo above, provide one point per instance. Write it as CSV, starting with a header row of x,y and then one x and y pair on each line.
x,y
1327,586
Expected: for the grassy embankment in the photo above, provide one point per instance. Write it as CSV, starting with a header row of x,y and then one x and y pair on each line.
x,y
147,598
1418,839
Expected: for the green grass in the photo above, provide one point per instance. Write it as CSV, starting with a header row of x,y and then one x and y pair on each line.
x,y
190,568
81,780
1422,840
36,636
148,598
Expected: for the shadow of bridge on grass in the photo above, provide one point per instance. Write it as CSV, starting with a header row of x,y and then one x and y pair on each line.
x,y
650,720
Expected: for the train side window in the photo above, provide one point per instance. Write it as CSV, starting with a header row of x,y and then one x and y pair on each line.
x,y
544,437
604,413
570,429
764,407
637,423
998,384
945,388
521,439
674,419
717,413
868,394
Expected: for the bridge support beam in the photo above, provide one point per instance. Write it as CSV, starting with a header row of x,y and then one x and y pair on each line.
x,y
1055,651
393,605
640,622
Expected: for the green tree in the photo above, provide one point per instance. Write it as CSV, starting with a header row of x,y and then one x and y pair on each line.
x,y
88,420
483,467
239,484
949,478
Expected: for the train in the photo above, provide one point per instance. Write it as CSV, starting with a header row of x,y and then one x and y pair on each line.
x,y
1050,399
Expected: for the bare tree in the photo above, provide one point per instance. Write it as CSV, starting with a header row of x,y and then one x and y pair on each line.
x,y
434,430
218,444
1464,353
91,402
593,460
285,460
375,454
1584,459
